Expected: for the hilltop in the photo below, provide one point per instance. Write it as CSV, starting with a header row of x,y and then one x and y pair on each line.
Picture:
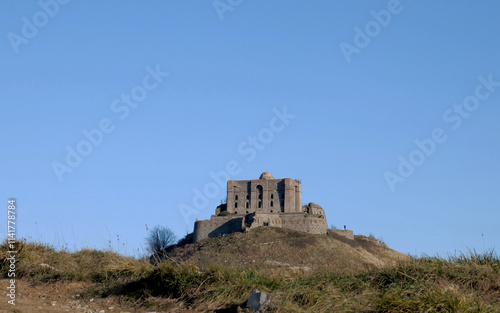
x,y
301,273
281,251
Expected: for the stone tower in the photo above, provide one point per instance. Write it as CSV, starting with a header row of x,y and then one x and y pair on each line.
x,y
262,202
266,195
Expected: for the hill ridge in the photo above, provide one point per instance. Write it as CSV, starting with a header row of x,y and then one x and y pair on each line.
x,y
270,248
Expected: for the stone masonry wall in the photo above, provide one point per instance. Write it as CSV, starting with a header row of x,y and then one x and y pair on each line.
x,y
217,226
349,234
263,202
222,225
264,195
300,222
311,220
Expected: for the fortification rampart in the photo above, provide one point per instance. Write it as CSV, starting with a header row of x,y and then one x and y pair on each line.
x,y
297,221
349,234
217,226
263,202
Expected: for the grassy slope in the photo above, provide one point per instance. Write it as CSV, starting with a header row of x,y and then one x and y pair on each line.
x,y
463,284
285,251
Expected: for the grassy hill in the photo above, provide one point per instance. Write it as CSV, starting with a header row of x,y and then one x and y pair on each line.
x,y
217,275
280,251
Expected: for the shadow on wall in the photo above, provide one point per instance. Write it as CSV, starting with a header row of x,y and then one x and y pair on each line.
x,y
231,226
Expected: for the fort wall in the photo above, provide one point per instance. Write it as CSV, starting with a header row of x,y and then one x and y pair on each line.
x,y
264,195
349,234
296,221
263,202
217,226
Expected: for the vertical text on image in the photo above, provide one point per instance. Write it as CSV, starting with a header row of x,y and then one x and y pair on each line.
x,y
11,242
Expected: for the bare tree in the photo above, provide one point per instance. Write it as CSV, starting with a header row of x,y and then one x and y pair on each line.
x,y
159,239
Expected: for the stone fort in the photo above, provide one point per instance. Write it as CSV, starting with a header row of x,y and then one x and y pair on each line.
x,y
262,202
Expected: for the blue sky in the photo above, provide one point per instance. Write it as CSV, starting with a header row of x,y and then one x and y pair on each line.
x,y
334,93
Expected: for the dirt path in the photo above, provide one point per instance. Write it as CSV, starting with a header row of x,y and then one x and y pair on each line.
x,y
59,297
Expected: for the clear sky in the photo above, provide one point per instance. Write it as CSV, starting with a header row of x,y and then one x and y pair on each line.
x,y
114,114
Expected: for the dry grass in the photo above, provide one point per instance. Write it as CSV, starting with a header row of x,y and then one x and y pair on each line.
x,y
465,283
42,263
273,251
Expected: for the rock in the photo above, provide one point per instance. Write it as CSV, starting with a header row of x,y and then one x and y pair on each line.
x,y
48,266
258,299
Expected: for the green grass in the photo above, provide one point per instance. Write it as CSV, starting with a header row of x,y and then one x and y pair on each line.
x,y
464,283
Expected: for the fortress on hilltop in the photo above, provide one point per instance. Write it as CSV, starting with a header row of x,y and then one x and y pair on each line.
x,y
263,202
